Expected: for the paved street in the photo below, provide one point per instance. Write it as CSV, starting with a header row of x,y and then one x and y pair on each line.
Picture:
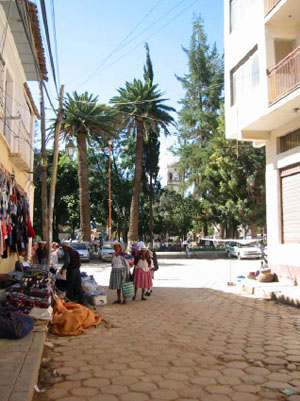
x,y
182,344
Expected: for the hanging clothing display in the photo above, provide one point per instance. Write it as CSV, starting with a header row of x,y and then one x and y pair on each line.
x,y
15,225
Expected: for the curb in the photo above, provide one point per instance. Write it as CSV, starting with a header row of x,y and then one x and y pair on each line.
x,y
25,366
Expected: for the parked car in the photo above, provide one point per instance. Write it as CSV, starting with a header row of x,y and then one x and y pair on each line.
x,y
82,249
243,250
106,251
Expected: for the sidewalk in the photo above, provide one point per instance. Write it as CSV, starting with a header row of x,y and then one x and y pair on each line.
x,y
19,366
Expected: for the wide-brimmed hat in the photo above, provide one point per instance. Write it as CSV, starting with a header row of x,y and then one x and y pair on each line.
x,y
143,248
116,243
65,244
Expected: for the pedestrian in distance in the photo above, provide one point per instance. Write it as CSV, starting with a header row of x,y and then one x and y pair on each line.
x,y
54,255
142,275
41,253
186,248
154,267
119,271
72,266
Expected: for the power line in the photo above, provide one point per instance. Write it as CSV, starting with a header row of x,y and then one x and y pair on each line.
x,y
131,40
46,29
55,40
144,40
123,41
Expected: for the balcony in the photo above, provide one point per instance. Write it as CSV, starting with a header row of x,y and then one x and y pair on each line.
x,y
285,76
269,5
21,153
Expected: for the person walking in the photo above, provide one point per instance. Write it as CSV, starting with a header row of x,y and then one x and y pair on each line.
x,y
119,271
72,266
41,253
142,275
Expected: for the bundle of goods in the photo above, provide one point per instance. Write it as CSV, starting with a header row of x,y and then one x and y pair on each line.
x,y
70,319
265,276
92,292
32,290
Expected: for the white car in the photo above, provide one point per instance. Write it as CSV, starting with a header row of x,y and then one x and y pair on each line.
x,y
106,251
243,250
82,249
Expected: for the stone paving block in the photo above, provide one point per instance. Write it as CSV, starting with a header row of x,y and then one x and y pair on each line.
x,y
79,376
229,380
134,397
244,397
218,389
104,397
143,386
124,380
171,385
106,373
209,373
246,388
55,393
258,371
268,395
164,395
97,383
203,381
70,399
114,389
278,385
84,392
254,379
233,372
215,397
192,392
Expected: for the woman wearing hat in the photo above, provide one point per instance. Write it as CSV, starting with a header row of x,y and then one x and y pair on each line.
x,y
142,276
119,271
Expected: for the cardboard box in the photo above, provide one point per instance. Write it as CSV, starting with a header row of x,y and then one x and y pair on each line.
x,y
98,300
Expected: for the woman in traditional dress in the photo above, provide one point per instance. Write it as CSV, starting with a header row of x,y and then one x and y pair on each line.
x,y
119,271
142,276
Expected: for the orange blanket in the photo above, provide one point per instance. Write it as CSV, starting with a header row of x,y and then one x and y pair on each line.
x,y
70,319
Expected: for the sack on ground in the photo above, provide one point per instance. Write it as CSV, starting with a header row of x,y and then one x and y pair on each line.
x,y
14,324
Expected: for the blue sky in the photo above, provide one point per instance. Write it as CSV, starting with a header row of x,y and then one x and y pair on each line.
x,y
89,31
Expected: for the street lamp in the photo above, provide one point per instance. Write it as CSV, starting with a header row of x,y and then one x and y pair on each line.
x,y
70,148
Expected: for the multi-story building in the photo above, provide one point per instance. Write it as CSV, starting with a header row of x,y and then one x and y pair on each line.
x,y
21,60
262,101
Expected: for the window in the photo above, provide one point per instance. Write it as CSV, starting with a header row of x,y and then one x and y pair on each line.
x,y
245,76
239,12
289,141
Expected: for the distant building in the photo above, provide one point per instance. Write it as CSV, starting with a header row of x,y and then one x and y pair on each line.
x,y
21,60
174,180
262,105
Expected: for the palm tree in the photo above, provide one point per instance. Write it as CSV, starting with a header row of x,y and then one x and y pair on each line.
x,y
141,106
84,119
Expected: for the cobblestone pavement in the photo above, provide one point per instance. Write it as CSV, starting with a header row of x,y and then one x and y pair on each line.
x,y
183,345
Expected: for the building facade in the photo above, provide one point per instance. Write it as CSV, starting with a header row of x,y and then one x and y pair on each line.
x,y
262,103
174,180
21,60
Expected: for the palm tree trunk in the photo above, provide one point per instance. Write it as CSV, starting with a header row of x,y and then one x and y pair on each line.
x,y
83,180
133,234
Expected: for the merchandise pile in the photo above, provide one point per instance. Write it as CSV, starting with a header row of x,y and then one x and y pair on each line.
x,y
32,289
92,292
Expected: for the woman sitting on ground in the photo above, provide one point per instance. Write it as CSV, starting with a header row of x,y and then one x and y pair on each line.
x,y
142,276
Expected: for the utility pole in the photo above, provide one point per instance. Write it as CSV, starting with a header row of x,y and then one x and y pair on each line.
x,y
54,171
109,223
44,166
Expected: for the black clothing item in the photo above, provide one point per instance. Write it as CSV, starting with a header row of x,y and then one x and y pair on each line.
x,y
155,262
72,259
74,292
41,254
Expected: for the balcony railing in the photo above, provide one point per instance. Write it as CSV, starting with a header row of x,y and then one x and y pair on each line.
x,y
270,4
285,76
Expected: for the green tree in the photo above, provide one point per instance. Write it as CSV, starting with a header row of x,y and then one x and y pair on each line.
x,y
203,86
84,118
141,103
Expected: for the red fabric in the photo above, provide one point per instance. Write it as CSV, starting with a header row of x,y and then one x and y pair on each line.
x,y
31,232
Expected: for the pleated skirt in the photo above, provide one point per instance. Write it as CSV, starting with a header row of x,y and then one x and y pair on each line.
x,y
117,277
142,279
